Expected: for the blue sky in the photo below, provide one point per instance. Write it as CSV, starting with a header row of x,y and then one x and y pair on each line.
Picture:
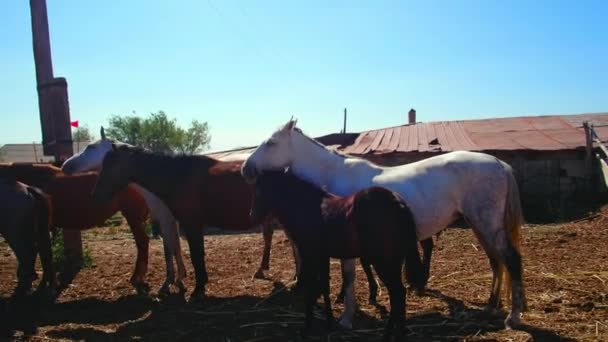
x,y
246,66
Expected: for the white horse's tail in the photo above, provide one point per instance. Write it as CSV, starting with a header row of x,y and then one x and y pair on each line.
x,y
513,220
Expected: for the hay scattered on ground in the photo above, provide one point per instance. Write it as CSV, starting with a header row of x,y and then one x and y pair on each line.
x,y
566,277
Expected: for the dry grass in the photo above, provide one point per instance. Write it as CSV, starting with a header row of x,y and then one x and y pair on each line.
x,y
566,275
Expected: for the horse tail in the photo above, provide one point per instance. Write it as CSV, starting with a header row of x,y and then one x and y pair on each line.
x,y
414,274
43,218
513,220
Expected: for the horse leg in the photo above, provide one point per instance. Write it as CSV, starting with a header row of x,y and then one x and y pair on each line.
x,y
350,303
390,274
46,258
324,286
170,277
172,248
297,259
267,232
427,253
196,243
21,242
138,280
179,259
310,282
512,259
371,280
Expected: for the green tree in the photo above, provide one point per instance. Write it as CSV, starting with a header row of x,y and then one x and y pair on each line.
x,y
159,133
82,134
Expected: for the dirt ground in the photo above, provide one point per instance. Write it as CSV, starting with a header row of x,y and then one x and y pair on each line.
x,y
566,275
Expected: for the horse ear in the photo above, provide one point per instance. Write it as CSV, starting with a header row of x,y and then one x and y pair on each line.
x,y
102,132
291,124
113,147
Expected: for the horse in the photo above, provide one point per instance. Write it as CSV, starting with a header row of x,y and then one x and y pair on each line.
x,y
25,214
476,186
199,190
374,224
75,209
91,158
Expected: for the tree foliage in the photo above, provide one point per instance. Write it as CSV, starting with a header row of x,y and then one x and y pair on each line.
x,y
159,133
82,134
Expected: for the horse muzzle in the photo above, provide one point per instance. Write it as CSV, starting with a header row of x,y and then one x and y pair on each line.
x,y
249,172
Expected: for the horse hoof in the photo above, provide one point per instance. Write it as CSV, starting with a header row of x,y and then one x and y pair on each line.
x,y
420,292
164,291
345,323
181,288
512,321
259,274
142,289
490,310
197,296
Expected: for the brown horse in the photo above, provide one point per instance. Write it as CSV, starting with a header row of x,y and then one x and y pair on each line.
x,y
374,224
199,190
25,214
74,207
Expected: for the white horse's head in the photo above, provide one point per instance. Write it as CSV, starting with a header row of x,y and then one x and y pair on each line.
x,y
91,158
274,153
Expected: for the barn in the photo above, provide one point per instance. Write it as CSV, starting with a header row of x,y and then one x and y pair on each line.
x,y
548,153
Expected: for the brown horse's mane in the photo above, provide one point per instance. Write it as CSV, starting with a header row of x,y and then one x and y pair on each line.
x,y
176,160
161,172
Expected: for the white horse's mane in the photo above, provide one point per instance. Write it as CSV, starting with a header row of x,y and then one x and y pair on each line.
x,y
314,141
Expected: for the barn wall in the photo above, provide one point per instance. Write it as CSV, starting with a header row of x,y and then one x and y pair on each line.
x,y
552,184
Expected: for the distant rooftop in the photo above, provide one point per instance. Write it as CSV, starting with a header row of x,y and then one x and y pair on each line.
x,y
29,153
531,133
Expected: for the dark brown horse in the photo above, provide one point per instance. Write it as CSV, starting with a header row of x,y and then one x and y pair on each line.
x,y
74,207
200,191
374,224
25,214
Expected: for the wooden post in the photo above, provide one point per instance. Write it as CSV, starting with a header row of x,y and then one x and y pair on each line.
x,y
35,152
588,155
54,109
344,129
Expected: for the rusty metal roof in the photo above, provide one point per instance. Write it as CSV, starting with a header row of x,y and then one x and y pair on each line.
x,y
535,133
532,133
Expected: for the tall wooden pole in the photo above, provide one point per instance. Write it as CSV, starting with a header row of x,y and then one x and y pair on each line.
x,y
54,108
344,129
42,42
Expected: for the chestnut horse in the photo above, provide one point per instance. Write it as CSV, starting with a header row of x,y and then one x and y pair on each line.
x,y
198,190
25,214
74,207
91,159
374,224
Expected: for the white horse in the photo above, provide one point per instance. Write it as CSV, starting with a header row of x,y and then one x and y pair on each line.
x,y
91,159
438,190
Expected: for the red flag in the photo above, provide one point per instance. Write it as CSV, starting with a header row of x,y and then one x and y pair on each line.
x,y
74,123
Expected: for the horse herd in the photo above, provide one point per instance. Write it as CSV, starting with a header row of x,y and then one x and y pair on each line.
x,y
330,205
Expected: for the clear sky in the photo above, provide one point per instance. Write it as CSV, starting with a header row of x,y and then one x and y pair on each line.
x,y
246,66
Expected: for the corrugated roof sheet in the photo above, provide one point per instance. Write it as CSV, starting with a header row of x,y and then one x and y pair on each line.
x,y
533,133
536,133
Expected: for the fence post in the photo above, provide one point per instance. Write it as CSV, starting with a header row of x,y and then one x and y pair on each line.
x,y
588,155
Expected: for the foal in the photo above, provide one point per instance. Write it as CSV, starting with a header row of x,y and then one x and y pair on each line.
x,y
374,224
